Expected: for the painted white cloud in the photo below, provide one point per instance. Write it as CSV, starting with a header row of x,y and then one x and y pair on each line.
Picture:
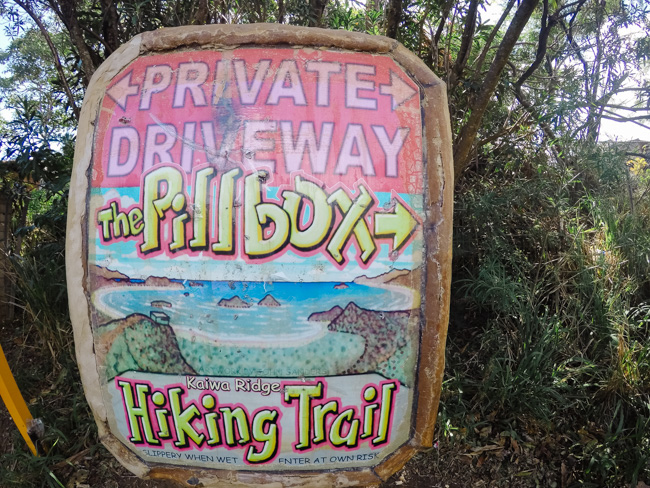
x,y
289,258
113,194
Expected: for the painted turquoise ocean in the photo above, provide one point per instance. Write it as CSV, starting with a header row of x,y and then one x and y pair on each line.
x,y
259,340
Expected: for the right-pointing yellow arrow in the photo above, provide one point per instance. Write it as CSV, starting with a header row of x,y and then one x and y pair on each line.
x,y
399,225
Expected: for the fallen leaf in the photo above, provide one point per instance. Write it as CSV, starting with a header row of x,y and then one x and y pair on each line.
x,y
515,446
477,451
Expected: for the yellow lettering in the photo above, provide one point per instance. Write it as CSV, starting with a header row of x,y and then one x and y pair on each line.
x,y
257,216
337,426
369,395
159,400
136,413
353,221
269,438
225,244
230,417
135,218
385,413
182,420
156,202
105,217
304,394
314,235
320,412
200,214
214,438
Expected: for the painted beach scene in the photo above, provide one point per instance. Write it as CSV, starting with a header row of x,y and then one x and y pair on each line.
x,y
256,328
292,316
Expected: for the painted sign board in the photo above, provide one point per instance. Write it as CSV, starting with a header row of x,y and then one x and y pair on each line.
x,y
259,252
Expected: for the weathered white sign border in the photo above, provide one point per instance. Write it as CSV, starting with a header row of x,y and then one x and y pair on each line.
x,y
437,233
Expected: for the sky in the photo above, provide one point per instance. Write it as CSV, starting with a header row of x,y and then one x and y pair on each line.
x,y
610,130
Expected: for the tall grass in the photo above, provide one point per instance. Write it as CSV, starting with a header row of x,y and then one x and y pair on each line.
x,y
550,311
42,357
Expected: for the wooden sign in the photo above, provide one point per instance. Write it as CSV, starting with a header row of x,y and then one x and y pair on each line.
x,y
259,244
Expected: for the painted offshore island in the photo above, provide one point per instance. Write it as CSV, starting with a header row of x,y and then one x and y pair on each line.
x,y
280,329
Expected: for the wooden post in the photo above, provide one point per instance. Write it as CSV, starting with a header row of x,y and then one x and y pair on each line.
x,y
14,401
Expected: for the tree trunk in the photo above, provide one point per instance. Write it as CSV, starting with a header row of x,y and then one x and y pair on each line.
x,y
465,45
110,23
465,141
486,48
393,18
316,9
280,11
67,11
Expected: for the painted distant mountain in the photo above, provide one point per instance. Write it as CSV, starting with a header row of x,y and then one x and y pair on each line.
x,y
109,274
384,333
341,286
401,277
137,343
106,277
234,302
328,316
162,281
382,278
161,304
269,301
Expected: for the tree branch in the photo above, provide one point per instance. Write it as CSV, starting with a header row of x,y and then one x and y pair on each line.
x,y
488,43
55,56
629,109
110,22
548,131
441,25
316,9
638,155
503,132
465,44
393,18
281,11
67,12
545,30
108,48
465,141
618,119
623,118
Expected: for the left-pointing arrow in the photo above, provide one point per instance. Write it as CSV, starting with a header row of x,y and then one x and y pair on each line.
x,y
122,90
399,225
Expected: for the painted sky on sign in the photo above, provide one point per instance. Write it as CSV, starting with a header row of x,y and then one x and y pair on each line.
x,y
122,256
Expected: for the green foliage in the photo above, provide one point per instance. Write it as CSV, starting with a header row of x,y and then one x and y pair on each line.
x,y
42,294
551,309
355,18
36,175
551,294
